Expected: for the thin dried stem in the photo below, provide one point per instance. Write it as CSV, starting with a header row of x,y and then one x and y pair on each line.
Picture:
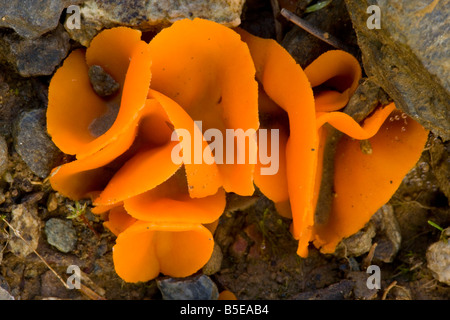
x,y
308,27
368,259
84,289
17,233
385,293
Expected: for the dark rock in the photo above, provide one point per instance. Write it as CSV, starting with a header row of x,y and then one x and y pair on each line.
x,y
30,18
338,291
16,94
3,155
367,97
408,56
199,287
35,57
150,15
258,19
25,221
333,19
61,234
33,144
102,83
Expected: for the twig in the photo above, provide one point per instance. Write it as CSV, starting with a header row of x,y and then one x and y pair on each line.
x,y
385,293
17,233
91,294
324,36
83,289
368,259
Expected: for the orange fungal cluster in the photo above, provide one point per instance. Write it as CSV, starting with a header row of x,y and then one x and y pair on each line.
x,y
163,212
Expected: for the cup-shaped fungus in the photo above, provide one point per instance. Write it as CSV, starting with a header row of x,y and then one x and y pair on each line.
x,y
334,77
202,78
207,69
145,249
364,181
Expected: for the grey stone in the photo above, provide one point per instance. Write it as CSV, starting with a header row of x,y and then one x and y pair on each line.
x,y
408,56
199,287
3,155
5,295
102,83
357,244
30,18
388,236
61,234
35,57
25,221
150,15
33,144
438,259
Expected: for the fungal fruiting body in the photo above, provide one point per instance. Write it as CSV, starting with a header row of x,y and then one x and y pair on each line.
x,y
128,170
310,99
196,76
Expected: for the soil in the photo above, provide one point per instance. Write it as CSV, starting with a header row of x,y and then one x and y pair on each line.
x,y
259,253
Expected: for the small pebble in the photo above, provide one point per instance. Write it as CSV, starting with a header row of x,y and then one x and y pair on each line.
x,y
33,144
102,83
438,259
25,221
61,234
199,287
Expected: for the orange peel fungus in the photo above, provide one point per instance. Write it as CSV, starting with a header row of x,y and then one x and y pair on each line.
x,y
299,102
128,170
197,77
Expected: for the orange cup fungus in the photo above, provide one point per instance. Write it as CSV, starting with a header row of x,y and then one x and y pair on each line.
x,y
195,76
